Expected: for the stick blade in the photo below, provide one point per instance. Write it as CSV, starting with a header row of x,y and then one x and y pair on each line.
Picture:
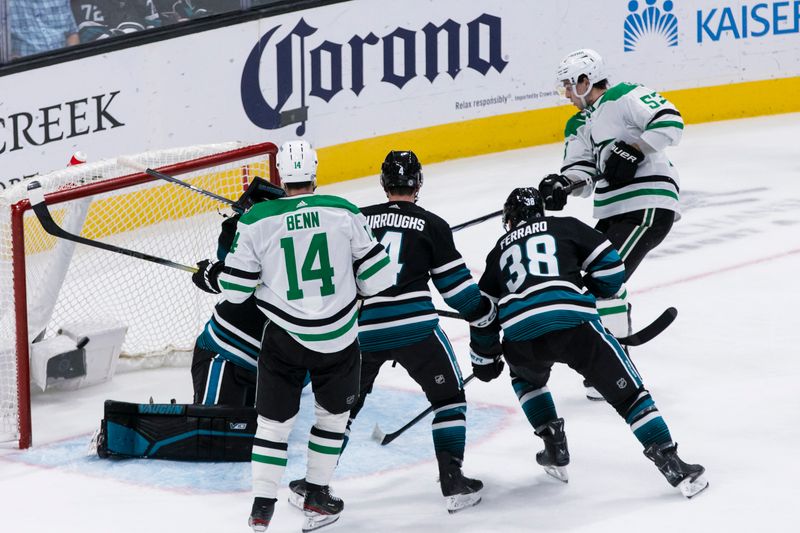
x,y
130,163
378,435
35,193
652,330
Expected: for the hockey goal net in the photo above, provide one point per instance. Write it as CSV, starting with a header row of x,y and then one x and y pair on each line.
x,y
48,282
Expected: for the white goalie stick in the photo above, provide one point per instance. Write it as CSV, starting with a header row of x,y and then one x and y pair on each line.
x,y
40,209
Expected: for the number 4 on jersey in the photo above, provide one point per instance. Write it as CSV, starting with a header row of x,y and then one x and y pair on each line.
x,y
392,241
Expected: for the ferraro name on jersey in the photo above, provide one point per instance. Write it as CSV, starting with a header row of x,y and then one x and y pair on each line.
x,y
420,245
625,112
307,257
535,273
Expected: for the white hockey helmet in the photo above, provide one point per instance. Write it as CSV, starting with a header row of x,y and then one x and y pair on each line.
x,y
582,62
297,162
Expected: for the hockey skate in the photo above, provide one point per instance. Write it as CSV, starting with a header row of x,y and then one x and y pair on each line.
x,y
320,507
555,456
459,491
688,478
297,493
260,516
592,393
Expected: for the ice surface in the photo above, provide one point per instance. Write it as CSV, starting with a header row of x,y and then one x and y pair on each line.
x,y
725,377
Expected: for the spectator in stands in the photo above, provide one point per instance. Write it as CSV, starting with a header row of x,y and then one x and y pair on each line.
x,y
100,19
40,26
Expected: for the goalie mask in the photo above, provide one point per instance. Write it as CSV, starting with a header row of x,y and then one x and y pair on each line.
x,y
523,204
401,169
297,163
583,62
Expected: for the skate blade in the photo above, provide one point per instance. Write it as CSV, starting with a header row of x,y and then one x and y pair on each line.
x,y
594,395
315,521
459,502
558,472
296,500
691,488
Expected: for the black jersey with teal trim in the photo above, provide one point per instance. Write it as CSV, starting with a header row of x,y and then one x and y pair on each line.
x,y
234,331
420,245
535,273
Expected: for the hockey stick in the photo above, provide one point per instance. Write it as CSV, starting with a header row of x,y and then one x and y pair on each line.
x,y
385,438
160,175
474,221
568,189
646,334
652,330
36,197
258,188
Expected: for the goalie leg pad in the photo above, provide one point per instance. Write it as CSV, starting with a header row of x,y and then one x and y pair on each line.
x,y
177,431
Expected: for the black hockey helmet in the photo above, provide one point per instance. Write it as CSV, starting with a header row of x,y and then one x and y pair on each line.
x,y
401,168
524,203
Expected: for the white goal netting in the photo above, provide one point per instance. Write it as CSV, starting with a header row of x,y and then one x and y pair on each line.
x,y
67,282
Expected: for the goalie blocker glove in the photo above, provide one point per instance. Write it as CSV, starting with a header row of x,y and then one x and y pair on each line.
x,y
554,190
622,163
207,275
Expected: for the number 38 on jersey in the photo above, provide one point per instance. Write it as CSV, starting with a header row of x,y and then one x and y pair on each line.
x,y
535,256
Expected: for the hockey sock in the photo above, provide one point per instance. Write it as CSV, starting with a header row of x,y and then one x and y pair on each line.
x,y
449,426
537,404
347,433
324,445
646,422
269,455
615,313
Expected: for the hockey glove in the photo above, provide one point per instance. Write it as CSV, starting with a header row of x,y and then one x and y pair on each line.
x,y
553,189
484,314
206,277
486,368
622,163
226,235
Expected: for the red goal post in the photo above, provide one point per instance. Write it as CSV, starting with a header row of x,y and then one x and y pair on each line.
x,y
49,282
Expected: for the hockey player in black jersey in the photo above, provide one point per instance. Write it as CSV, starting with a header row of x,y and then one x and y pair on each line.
x,y
226,351
400,324
223,375
545,274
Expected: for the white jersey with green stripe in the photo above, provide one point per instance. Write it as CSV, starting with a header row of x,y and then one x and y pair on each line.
x,y
633,114
307,257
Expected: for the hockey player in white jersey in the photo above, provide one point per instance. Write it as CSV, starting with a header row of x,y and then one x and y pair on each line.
x,y
614,146
307,258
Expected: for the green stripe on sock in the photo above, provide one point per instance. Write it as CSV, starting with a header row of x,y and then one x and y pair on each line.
x,y
330,450
269,460
620,309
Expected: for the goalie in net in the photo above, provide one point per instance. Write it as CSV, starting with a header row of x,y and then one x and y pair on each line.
x,y
221,423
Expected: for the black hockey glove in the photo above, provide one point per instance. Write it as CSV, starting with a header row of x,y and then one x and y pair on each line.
x,y
622,162
486,368
227,234
259,190
206,277
553,190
